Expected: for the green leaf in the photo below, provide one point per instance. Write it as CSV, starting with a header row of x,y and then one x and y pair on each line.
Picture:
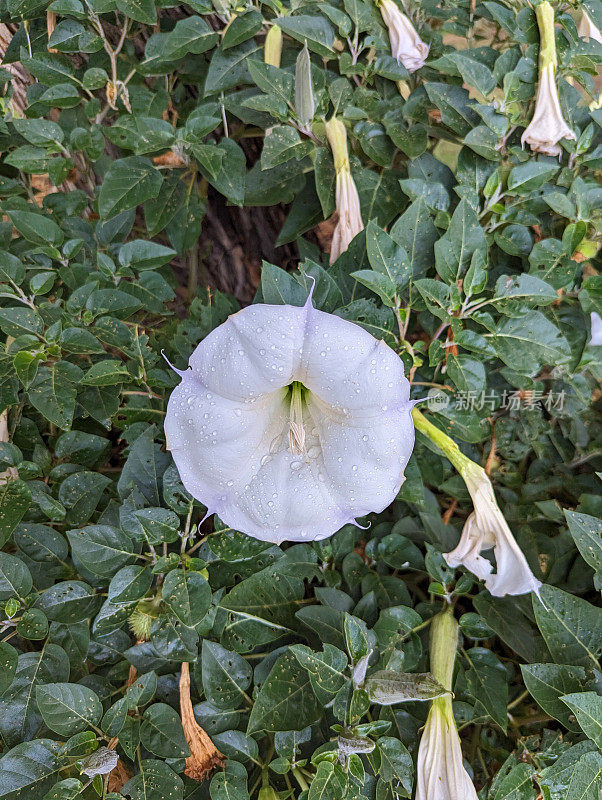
x,y
570,625
416,233
326,670
575,775
525,178
587,533
29,769
188,596
144,469
102,549
313,30
140,10
18,320
68,708
226,676
106,373
141,255
329,783
487,682
129,584
161,732
68,602
530,341
15,500
587,707
127,183
9,658
80,493
37,228
155,781
286,700
15,578
548,682
396,763
526,288
230,783
53,392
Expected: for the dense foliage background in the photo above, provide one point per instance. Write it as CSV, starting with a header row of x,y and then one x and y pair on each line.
x,y
149,152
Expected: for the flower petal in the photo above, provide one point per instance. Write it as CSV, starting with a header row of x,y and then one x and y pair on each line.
x,y
440,772
227,423
255,351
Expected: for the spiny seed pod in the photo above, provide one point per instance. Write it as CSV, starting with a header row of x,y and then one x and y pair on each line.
x,y
142,618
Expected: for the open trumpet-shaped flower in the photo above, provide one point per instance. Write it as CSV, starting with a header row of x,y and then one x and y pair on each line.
x,y
291,422
548,126
440,773
485,528
406,46
349,222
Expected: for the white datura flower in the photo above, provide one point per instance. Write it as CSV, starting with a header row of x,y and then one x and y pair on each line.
x,y
406,46
291,422
487,528
440,772
349,222
547,127
588,29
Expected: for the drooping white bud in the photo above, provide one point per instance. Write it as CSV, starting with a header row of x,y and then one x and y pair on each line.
x,y
406,45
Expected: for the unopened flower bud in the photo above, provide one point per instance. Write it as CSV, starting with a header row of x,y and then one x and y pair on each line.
x,y
440,772
406,46
304,94
272,48
349,223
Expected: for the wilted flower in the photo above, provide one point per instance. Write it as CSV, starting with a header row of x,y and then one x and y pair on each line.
x,y
204,756
547,127
349,222
440,773
406,45
588,29
596,337
485,528
291,423
272,48
100,762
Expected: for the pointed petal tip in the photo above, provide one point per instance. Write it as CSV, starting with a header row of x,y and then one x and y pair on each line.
x,y
365,527
179,372
309,301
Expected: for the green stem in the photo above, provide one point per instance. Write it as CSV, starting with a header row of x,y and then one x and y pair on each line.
x,y
300,779
445,443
